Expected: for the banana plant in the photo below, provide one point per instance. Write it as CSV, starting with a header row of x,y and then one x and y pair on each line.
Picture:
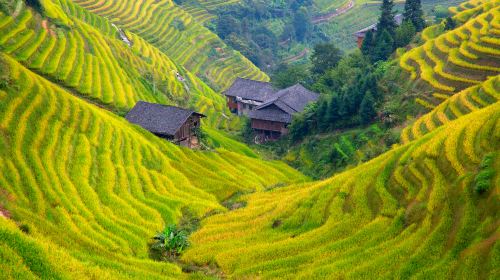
x,y
171,241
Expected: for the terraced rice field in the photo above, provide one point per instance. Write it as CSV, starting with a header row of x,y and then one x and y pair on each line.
x,y
462,103
202,10
82,60
192,45
86,61
92,190
82,191
455,60
410,213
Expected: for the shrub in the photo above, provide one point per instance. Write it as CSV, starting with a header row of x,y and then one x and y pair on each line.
x,y
482,182
171,242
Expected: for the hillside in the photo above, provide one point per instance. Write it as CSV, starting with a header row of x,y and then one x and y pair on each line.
x,y
412,212
175,33
452,61
83,192
91,190
266,36
426,209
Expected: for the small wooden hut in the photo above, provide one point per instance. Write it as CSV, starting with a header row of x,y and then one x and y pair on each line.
x,y
169,122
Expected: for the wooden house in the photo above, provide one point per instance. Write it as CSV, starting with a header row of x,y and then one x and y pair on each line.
x,y
360,35
244,95
270,120
169,122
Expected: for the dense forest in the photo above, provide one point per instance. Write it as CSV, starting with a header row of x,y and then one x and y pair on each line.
x,y
246,27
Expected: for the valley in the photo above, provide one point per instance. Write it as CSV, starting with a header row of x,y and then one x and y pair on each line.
x,y
390,171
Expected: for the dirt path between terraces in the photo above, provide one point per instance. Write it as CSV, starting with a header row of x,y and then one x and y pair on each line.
x,y
4,213
342,10
297,57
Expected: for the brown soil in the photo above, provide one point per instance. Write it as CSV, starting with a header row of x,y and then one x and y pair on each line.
x,y
4,213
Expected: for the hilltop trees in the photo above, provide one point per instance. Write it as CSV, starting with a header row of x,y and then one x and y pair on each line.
x,y
388,36
404,34
380,45
368,43
384,46
413,13
367,108
289,75
267,31
386,20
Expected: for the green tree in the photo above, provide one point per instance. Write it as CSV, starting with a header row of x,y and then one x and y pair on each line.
x,y
334,108
302,24
368,44
386,20
226,25
298,128
322,115
449,24
441,12
383,47
367,109
325,56
413,13
289,75
404,34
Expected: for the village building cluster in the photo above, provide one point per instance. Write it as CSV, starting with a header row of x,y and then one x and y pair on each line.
x,y
269,110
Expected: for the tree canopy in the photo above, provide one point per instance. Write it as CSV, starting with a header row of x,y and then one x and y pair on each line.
x,y
324,57
413,13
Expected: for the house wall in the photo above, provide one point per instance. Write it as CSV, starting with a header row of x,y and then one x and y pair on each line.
x,y
244,108
185,134
232,104
360,41
269,126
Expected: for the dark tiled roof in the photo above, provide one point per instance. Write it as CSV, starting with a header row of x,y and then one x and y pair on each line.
x,y
288,101
250,89
361,33
271,113
158,118
292,99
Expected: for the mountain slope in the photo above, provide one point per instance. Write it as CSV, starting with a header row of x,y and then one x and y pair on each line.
x,y
427,209
90,185
174,31
90,60
452,61
82,191
411,212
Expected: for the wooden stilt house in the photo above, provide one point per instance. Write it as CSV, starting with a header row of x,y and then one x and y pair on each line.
x,y
169,122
